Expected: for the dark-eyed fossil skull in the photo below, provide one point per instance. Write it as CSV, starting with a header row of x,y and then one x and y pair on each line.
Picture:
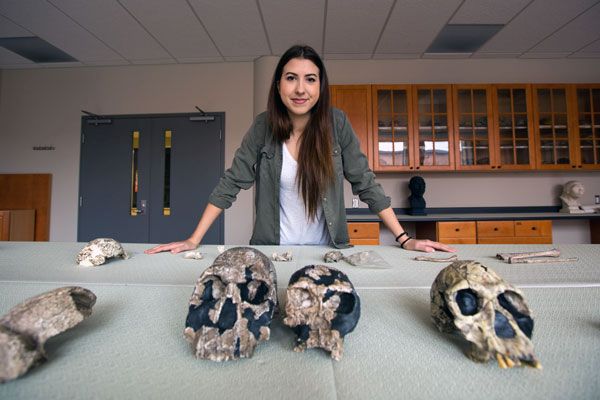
x,y
232,305
321,307
471,299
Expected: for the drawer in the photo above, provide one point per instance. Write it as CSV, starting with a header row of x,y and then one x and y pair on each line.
x,y
462,229
358,242
533,228
495,229
454,240
364,230
496,240
533,240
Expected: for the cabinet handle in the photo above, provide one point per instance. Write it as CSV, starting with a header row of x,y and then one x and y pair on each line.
x,y
499,166
418,168
533,228
410,168
356,230
495,229
457,229
493,166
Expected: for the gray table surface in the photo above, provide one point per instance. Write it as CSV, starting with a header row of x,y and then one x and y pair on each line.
x,y
132,346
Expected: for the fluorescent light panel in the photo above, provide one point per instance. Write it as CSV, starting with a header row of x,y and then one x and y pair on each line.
x,y
35,49
461,38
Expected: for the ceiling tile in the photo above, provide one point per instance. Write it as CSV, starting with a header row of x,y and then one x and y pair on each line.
x,y
539,20
414,24
10,29
114,26
353,26
175,26
488,11
48,22
290,22
575,35
235,26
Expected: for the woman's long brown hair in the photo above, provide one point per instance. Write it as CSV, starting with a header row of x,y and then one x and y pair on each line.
x,y
315,166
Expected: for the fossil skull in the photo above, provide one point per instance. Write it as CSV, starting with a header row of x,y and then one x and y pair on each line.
x,y
98,250
232,305
26,327
322,307
472,299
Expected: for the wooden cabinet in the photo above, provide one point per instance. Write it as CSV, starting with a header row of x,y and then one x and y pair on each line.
x,y
473,118
514,232
393,143
487,232
475,127
587,126
553,127
363,233
433,127
355,101
460,232
17,225
513,147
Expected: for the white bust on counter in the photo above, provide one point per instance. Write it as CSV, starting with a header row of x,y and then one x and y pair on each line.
x,y
571,193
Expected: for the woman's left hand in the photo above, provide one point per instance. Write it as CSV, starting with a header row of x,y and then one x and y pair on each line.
x,y
428,246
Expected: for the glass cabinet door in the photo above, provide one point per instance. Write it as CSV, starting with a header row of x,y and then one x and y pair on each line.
x,y
552,123
433,134
392,140
513,126
473,127
588,113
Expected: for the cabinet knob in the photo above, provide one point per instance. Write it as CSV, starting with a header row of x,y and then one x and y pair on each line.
x,y
573,166
499,166
495,229
533,228
580,166
457,229
493,166
418,167
355,230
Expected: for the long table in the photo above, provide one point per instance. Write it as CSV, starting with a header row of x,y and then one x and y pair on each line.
x,y
132,345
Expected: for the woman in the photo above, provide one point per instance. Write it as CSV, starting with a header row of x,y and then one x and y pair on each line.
x,y
297,154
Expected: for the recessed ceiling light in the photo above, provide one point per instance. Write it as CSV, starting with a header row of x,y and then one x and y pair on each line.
x,y
459,38
35,49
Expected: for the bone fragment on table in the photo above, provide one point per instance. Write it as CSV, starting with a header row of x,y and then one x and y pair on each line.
x,y
544,260
193,255
436,259
285,256
545,253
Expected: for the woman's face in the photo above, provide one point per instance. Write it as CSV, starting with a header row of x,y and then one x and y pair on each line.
x,y
299,86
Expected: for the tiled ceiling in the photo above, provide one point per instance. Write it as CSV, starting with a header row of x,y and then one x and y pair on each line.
x,y
126,32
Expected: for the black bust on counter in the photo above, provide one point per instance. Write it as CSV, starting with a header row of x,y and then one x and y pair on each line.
x,y
416,200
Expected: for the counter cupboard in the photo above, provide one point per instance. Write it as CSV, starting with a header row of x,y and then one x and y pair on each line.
x,y
482,127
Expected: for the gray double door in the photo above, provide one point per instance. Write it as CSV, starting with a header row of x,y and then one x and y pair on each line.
x,y
146,179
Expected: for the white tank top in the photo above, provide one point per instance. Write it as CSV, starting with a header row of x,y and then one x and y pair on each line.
x,y
295,228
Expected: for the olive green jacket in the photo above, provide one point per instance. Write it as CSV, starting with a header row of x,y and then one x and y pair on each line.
x,y
258,161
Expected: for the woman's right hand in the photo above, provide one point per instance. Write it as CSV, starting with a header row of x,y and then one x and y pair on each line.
x,y
173,247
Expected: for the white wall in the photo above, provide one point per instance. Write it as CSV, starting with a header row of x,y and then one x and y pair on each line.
x,y
42,107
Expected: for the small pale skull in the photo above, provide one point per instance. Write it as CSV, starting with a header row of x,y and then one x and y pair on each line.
x,y
285,256
97,251
232,305
333,256
472,300
321,308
